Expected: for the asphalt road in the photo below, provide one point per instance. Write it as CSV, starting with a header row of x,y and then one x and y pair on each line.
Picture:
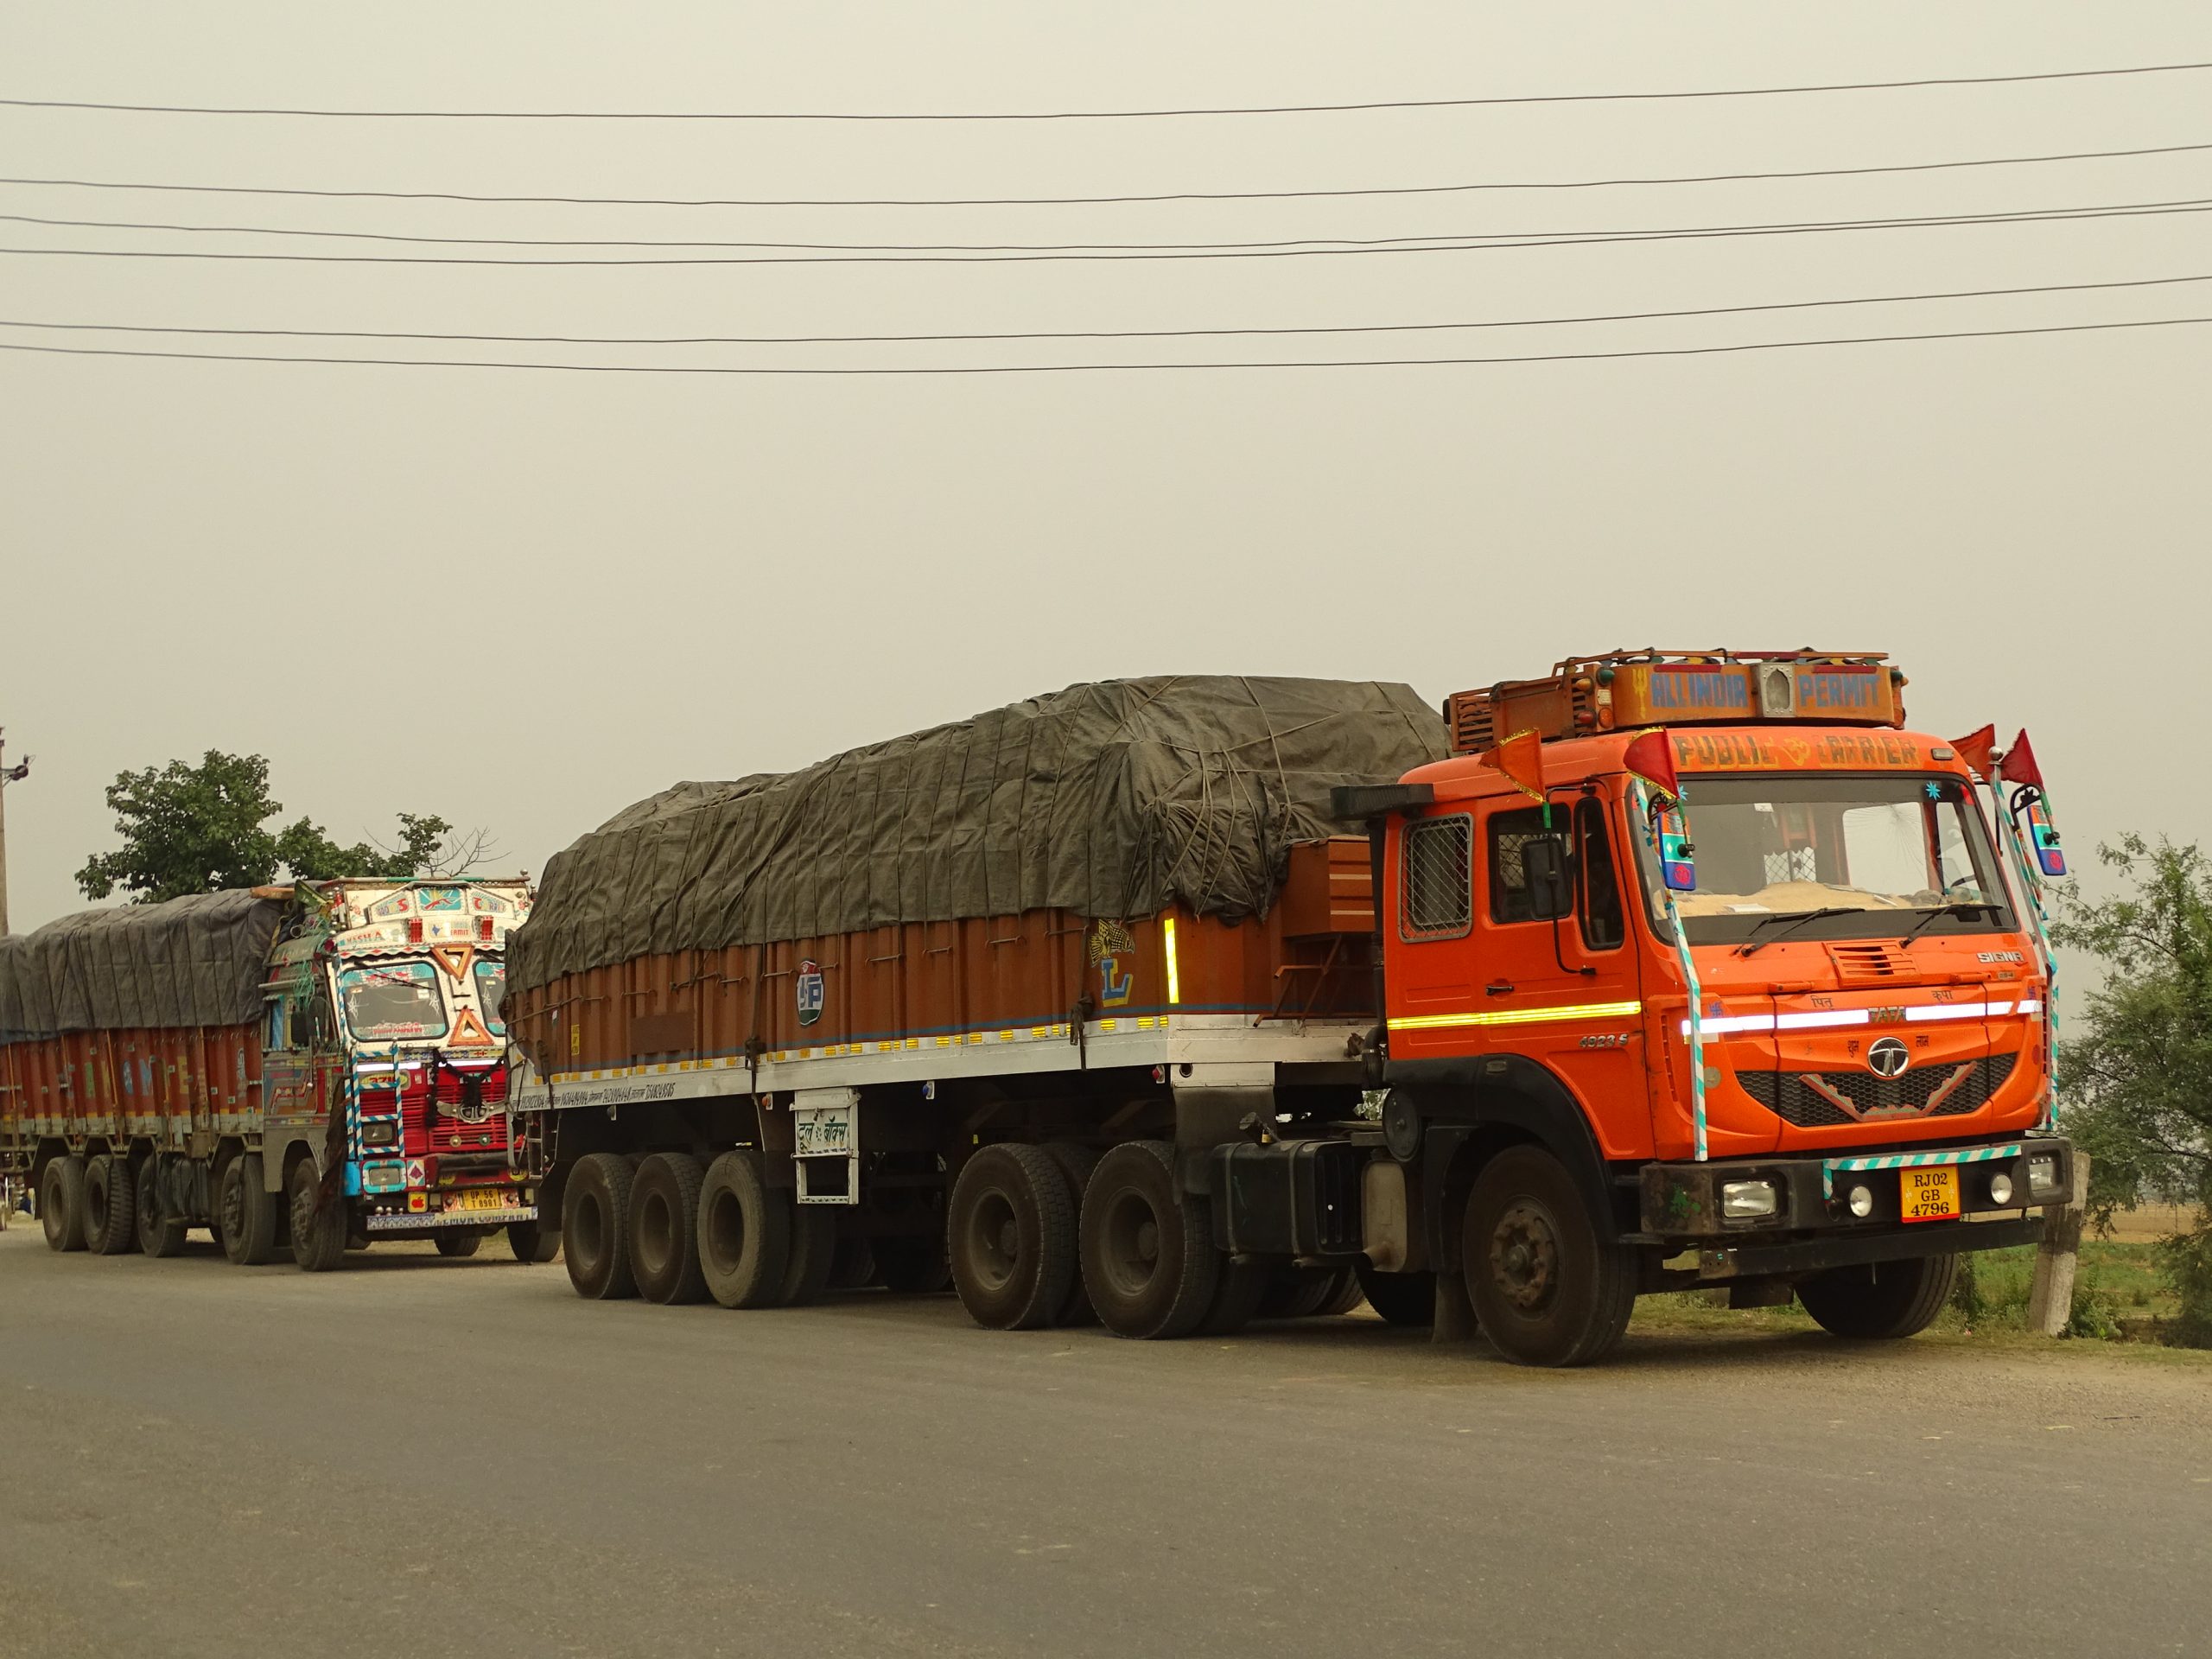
x,y
413,1455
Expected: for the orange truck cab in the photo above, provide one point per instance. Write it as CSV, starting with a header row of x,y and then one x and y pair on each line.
x,y
1697,968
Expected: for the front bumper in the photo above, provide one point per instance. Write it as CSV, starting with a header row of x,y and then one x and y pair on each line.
x,y
1812,1227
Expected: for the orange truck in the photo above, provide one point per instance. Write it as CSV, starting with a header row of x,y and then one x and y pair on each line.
x,y
1668,969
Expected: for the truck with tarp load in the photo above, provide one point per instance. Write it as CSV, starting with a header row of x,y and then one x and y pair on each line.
x,y
1178,1002
300,1069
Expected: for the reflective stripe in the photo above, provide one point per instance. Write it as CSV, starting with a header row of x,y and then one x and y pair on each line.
x,y
1519,1016
1829,1020
1831,1168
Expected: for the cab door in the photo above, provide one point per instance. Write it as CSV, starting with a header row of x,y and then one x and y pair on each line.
x,y
1562,990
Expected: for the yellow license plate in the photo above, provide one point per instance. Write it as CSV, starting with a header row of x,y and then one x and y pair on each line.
x,y
480,1197
1929,1194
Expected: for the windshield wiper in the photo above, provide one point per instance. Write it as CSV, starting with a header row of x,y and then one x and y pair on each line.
x,y
1936,912
1796,918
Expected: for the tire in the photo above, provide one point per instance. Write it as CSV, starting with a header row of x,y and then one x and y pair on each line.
x,y
62,1203
1547,1289
1076,1164
664,1229
1881,1302
111,1205
1303,1293
318,1228
1237,1292
1146,1246
458,1244
158,1233
1346,1292
245,1215
744,1233
914,1266
1012,1237
533,1244
1402,1299
813,1254
854,1268
595,1228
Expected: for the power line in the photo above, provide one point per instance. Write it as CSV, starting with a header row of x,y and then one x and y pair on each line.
x,y
1097,334
1083,201
1440,243
1102,115
1294,242
1089,368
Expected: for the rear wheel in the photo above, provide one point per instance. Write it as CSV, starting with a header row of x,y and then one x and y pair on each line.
x,y
318,1224
1546,1288
1013,1235
1149,1259
595,1228
533,1242
247,1215
455,1243
1407,1298
1236,1293
62,1203
1882,1301
744,1233
158,1232
664,1229
855,1266
1076,1164
111,1205
814,1252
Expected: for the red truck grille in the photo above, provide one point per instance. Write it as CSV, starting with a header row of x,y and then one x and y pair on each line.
x,y
462,1111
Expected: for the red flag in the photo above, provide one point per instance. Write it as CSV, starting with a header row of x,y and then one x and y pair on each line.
x,y
1978,749
1650,757
1521,758
2020,766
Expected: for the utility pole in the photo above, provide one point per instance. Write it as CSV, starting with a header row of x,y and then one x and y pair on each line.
x,y
9,774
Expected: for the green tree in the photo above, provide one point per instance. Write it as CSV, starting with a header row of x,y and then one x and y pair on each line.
x,y
196,828
2136,1079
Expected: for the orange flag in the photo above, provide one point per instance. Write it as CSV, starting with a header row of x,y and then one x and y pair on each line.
x,y
1650,757
1978,749
1521,758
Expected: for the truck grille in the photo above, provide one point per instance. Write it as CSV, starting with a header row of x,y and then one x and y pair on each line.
x,y
443,1124
1818,1100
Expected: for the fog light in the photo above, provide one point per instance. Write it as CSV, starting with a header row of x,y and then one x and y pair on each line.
x,y
1747,1200
1862,1202
2042,1175
374,1134
2000,1189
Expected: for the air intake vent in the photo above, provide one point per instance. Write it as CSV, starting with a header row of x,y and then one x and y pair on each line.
x,y
1872,963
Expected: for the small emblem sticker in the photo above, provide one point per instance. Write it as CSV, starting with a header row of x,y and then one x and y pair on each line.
x,y
810,992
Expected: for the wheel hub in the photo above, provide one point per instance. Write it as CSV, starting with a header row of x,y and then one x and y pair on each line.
x,y
1524,1258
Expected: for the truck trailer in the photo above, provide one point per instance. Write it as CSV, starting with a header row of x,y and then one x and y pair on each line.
x,y
300,1069
1173,1002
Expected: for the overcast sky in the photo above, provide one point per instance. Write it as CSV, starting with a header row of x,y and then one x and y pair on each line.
x,y
523,600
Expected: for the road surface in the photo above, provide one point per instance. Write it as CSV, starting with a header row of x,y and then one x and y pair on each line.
x,y
414,1455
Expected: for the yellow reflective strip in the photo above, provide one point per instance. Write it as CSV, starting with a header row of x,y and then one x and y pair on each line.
x,y
1519,1016
1174,979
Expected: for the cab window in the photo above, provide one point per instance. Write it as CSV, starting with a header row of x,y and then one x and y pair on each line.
x,y
1598,888
1437,878
1507,834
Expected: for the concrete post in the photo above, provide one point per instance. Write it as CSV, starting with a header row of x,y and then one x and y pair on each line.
x,y
2050,1294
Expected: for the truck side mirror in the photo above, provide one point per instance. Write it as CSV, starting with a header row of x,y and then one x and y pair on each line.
x,y
1543,864
2042,834
1677,864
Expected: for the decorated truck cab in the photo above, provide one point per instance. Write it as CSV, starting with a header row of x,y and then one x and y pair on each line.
x,y
304,1068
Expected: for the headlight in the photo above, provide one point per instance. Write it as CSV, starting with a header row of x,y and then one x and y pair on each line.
x,y
2000,1188
2042,1175
380,1134
1862,1202
1747,1200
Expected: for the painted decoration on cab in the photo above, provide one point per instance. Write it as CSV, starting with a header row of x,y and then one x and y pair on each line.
x,y
1112,951
2044,834
810,992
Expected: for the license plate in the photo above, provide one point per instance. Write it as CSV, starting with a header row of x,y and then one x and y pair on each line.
x,y
480,1198
1929,1194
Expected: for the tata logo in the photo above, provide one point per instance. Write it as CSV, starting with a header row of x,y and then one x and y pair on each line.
x,y
1888,1059
1885,1016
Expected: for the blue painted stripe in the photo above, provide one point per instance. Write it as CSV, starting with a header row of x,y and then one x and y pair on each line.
x,y
1832,1166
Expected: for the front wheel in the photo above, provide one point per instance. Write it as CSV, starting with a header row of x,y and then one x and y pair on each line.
x,y
533,1242
1547,1288
452,1242
1882,1301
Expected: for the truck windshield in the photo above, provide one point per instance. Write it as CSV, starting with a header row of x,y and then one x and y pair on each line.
x,y
1878,854
491,991
392,1000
